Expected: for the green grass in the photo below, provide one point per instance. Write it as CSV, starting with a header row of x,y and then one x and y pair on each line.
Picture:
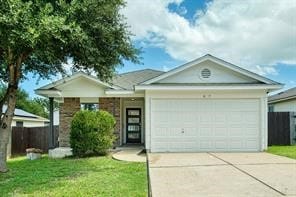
x,y
287,151
95,176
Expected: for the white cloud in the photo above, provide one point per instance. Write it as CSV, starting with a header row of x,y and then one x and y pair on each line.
x,y
252,33
165,68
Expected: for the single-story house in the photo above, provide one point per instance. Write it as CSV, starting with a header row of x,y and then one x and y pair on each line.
x,y
204,105
23,118
283,102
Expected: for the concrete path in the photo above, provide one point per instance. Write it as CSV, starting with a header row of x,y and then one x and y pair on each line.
x,y
130,154
221,174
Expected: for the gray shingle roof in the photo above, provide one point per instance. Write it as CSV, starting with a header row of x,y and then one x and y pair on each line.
x,y
20,112
290,93
128,80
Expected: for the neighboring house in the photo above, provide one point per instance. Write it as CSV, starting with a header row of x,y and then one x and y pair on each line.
x,y
22,118
283,102
205,105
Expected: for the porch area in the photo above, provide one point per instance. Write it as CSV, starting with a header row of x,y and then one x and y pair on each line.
x,y
128,113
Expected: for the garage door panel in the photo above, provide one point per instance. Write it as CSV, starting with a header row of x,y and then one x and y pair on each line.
x,y
251,117
236,131
205,125
205,144
205,131
220,131
220,117
160,117
159,105
251,131
190,131
161,131
182,144
251,143
176,131
236,144
221,144
235,117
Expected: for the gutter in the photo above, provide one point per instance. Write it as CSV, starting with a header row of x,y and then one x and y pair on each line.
x,y
282,99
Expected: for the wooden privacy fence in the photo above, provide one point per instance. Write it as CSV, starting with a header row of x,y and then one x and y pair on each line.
x,y
281,128
34,137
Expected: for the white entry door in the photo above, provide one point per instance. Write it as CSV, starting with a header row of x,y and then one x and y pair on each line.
x,y
189,125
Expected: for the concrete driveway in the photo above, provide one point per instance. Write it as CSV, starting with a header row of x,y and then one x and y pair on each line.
x,y
221,174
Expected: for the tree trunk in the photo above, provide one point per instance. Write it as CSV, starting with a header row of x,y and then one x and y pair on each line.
x,y
5,129
3,152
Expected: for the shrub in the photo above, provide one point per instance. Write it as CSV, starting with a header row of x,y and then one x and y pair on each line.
x,y
91,133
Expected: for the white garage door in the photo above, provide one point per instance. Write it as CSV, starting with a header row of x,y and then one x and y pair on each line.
x,y
184,125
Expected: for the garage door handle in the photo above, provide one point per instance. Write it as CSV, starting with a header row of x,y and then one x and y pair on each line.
x,y
182,131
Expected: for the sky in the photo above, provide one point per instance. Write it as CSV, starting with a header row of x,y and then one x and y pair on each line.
x,y
259,35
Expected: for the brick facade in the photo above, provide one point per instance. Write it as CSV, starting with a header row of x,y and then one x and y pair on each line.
x,y
67,111
112,105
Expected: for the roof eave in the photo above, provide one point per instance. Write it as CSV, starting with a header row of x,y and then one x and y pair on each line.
x,y
282,99
182,87
48,93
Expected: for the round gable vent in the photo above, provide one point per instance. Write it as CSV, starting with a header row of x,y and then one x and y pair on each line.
x,y
205,73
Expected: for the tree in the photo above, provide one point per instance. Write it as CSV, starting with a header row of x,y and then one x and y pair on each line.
x,y
39,36
38,106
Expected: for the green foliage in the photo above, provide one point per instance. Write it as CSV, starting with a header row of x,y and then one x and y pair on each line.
x,y
37,106
92,133
44,34
287,151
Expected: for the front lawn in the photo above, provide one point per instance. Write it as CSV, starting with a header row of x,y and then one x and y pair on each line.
x,y
96,176
287,151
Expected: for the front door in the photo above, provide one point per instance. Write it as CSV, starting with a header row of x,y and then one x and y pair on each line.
x,y
133,125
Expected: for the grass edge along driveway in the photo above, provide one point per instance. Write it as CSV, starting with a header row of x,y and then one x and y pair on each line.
x,y
94,176
287,151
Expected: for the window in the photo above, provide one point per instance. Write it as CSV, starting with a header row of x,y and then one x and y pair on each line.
x,y
271,108
89,106
19,124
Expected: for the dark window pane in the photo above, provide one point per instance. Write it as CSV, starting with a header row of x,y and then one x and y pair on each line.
x,y
133,135
133,112
133,120
19,123
133,128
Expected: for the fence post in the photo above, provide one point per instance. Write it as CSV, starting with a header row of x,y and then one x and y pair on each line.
x,y
292,128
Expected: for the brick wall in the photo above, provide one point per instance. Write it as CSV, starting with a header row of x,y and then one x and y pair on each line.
x,y
67,111
112,105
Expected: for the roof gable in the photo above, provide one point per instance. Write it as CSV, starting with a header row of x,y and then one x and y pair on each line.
x,y
74,77
230,73
215,74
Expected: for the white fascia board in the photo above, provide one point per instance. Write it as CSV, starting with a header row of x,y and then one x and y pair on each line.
x,y
30,119
109,92
259,87
123,93
48,93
